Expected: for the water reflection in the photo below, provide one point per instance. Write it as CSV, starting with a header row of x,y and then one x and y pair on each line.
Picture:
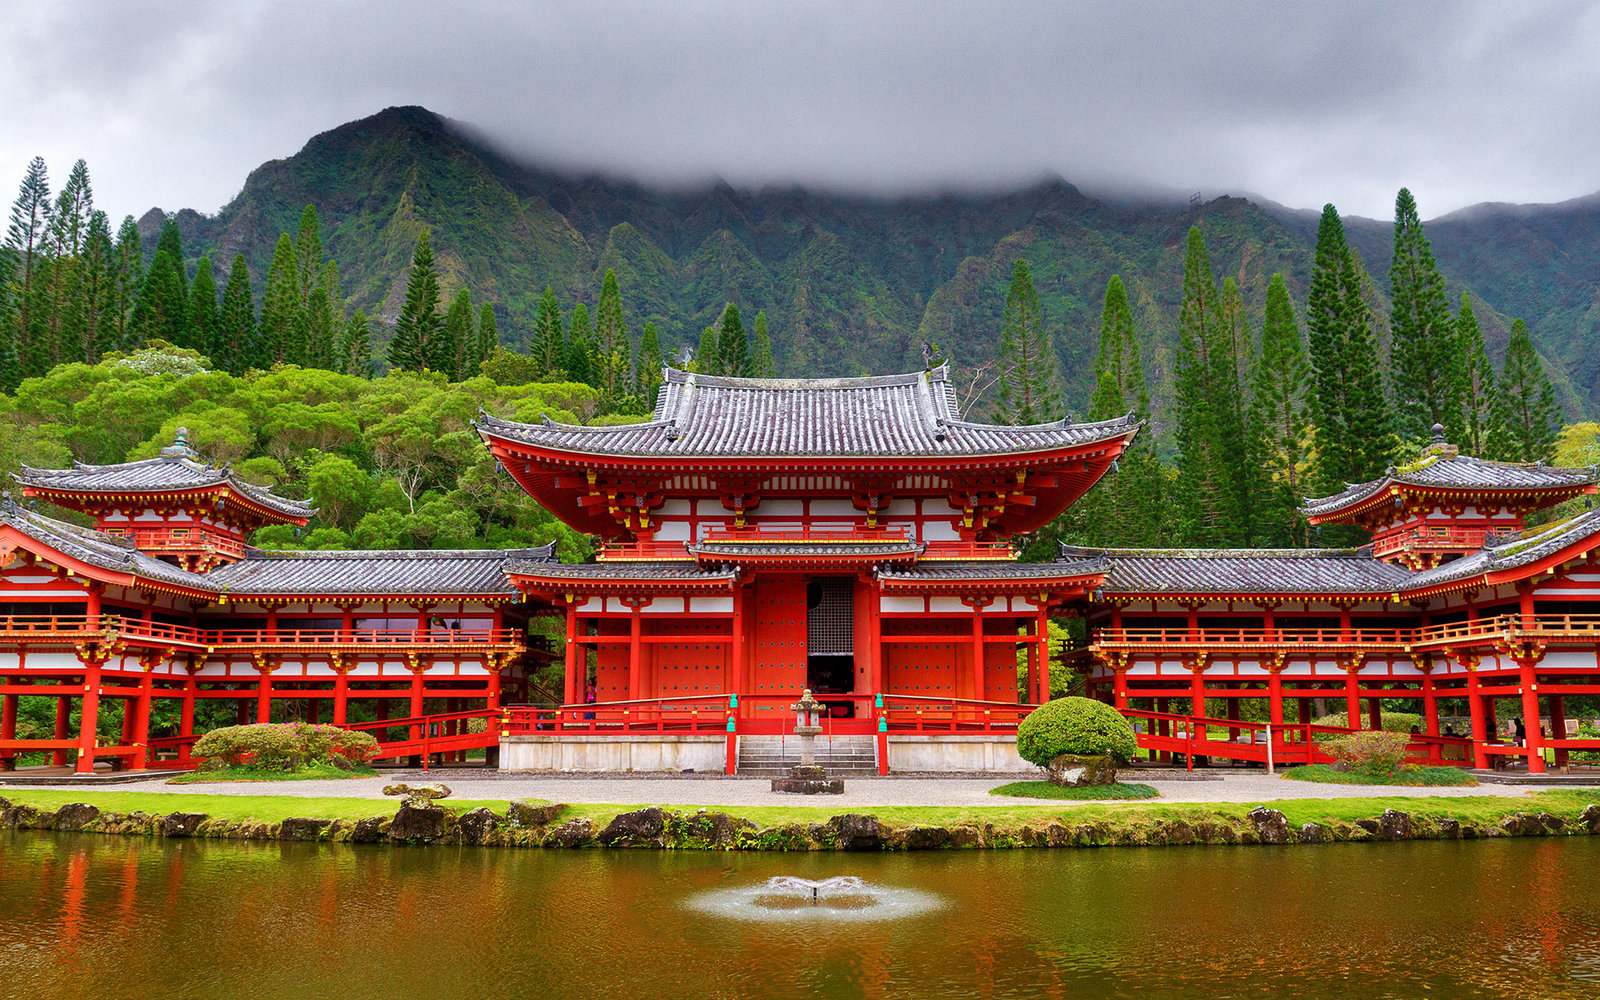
x,y
86,916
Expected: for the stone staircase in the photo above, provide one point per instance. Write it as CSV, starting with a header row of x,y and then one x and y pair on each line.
x,y
842,756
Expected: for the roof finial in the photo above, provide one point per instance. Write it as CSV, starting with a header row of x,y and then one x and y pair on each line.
x,y
179,448
1438,433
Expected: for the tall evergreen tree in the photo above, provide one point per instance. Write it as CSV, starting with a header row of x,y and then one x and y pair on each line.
x,y
1525,401
162,306
1029,388
733,344
66,312
355,347
708,353
456,341
26,237
612,348
200,326
1279,429
308,256
1477,384
580,347
235,346
1212,458
418,329
128,276
488,339
10,368
320,330
761,348
282,335
1126,507
1425,360
548,345
647,378
70,220
99,332
1353,436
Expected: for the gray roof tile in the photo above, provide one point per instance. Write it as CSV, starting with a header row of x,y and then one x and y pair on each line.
x,y
1250,571
168,473
708,416
381,571
97,548
1456,472
955,571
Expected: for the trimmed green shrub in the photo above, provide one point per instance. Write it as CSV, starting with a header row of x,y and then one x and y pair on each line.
x,y
1393,722
285,747
1074,725
1374,753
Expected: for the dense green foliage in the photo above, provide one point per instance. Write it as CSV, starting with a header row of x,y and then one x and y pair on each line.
x,y
1051,790
1027,390
1427,368
1374,753
1075,725
285,746
1427,776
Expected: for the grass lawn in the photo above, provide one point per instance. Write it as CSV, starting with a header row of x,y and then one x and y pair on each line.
x,y
248,772
274,808
1048,790
1412,776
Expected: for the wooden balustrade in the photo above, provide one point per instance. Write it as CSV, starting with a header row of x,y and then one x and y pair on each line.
x,y
1494,627
77,627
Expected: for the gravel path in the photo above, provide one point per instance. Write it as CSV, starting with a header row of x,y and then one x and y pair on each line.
x,y
716,790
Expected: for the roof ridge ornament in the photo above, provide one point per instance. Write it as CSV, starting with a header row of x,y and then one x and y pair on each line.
x,y
179,448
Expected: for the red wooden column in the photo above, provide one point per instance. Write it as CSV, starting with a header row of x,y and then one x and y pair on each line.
x,y
265,663
418,669
1558,724
875,641
574,694
635,661
341,689
8,729
977,604
1197,694
1528,679
736,655
186,714
1119,688
1275,691
1044,654
89,717
141,710
63,716
1430,710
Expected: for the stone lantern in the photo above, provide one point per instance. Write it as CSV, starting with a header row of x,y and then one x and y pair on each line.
x,y
807,778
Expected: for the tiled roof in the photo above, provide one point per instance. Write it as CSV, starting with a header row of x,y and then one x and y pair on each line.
x,y
936,571
381,571
1512,550
704,416
897,550
622,572
168,473
1249,571
1445,471
96,548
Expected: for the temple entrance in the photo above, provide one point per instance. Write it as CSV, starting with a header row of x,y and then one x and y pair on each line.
x,y
830,642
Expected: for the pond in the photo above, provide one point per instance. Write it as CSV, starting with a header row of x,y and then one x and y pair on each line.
x,y
89,916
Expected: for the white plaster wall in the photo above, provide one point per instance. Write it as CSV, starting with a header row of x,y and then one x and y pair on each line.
x,y
711,605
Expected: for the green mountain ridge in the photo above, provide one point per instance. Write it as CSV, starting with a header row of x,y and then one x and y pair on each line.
x,y
853,284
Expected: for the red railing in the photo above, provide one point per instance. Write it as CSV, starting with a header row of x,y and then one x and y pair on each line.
x,y
1497,626
1429,538
162,539
915,714
426,735
708,714
79,626
1278,743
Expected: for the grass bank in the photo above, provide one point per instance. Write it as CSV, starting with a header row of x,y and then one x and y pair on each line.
x,y
249,772
1050,790
1435,777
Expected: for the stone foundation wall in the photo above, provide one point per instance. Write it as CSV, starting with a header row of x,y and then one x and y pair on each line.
x,y
639,752
948,753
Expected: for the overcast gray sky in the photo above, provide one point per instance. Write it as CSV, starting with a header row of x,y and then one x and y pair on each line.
x,y
173,104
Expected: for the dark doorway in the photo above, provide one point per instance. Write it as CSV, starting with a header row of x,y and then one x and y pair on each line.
x,y
830,641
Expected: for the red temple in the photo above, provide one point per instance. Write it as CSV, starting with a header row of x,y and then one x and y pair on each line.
x,y
759,537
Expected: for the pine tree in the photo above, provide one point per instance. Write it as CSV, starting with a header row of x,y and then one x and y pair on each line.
x,y
1212,464
613,350
456,340
66,312
761,349
162,306
580,347
1125,508
1351,420
488,339
320,331
282,335
1029,388
128,276
708,353
647,378
308,256
10,369
26,237
1477,383
1525,402
99,279
417,330
1279,428
549,342
355,347
1425,362
235,346
733,344
200,326
70,221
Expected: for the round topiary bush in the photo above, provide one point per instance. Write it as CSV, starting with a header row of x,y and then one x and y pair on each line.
x,y
1079,726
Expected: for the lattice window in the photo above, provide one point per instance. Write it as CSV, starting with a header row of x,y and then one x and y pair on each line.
x,y
831,617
